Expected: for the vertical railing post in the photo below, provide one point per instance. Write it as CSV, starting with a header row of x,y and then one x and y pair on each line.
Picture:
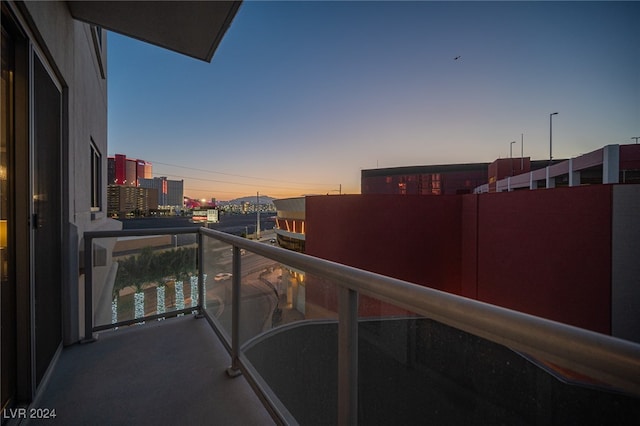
x,y
234,369
347,357
88,290
200,260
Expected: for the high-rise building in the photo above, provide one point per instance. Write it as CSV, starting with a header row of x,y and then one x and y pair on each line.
x,y
144,169
170,192
123,199
126,171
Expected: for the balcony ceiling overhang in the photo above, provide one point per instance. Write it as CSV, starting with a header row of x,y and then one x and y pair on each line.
x,y
193,28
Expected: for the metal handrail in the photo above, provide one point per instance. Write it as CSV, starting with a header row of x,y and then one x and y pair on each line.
x,y
610,360
605,358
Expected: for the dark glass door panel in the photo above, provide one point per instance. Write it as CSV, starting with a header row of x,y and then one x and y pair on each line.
x,y
47,218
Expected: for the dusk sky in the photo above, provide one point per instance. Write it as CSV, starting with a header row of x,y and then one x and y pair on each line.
x,y
301,96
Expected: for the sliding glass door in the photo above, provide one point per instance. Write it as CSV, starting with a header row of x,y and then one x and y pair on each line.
x,y
46,217
30,215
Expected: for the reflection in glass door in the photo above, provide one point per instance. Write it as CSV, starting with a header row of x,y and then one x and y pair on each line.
x,y
7,284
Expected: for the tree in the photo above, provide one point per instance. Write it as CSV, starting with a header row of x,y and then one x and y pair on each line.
x,y
149,267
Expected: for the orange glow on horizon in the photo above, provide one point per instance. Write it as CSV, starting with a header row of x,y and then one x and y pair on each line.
x,y
224,194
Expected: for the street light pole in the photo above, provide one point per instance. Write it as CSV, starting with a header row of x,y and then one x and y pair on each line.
x,y
636,138
521,152
551,136
511,155
257,215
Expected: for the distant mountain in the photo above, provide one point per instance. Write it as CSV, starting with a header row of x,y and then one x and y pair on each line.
x,y
264,199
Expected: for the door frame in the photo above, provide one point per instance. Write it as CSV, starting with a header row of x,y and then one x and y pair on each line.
x,y
28,47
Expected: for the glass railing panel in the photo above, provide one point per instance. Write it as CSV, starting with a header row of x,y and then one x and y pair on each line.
x,y
292,341
138,277
413,368
271,295
274,294
218,277
259,297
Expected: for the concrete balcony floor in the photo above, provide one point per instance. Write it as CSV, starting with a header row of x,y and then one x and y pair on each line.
x,y
161,373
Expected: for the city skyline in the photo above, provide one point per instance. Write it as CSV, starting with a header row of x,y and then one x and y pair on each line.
x,y
301,96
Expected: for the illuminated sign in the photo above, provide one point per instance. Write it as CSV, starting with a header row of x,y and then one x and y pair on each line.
x,y
208,216
199,216
212,216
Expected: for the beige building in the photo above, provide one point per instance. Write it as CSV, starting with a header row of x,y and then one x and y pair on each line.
x,y
290,223
122,200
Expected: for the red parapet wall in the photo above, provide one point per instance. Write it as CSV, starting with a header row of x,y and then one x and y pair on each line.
x,y
547,253
544,252
413,238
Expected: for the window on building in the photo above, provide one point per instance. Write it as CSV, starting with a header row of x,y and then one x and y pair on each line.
x,y
97,35
436,188
96,178
402,188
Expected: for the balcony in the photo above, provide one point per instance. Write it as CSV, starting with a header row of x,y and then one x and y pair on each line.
x,y
163,372
307,341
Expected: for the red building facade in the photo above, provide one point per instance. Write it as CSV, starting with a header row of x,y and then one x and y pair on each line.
x,y
127,171
425,180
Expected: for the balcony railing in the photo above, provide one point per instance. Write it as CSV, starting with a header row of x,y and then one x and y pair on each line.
x,y
301,330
